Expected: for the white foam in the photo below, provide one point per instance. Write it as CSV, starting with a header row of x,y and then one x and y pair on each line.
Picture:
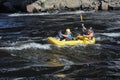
x,y
98,38
113,28
73,12
26,46
111,34
118,22
67,62
118,42
21,78
27,14
43,13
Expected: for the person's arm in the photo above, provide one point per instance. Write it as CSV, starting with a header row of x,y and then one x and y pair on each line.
x,y
64,35
83,27
90,35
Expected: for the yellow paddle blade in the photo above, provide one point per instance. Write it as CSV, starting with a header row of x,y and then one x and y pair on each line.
x,y
81,17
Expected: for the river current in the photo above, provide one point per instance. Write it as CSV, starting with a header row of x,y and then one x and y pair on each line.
x,y
25,53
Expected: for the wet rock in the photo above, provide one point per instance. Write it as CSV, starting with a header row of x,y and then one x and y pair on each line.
x,y
115,4
72,3
9,7
36,6
29,8
90,4
104,5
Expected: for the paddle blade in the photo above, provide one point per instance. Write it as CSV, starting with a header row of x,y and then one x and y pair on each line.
x,y
81,17
60,34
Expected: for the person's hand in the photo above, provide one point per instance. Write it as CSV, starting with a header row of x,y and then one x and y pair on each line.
x,y
82,24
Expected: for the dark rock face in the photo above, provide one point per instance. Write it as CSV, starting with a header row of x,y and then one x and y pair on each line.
x,y
44,5
14,5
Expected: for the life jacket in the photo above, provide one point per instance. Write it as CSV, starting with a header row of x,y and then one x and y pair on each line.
x,y
70,36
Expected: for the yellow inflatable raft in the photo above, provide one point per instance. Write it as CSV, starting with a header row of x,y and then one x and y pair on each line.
x,y
79,40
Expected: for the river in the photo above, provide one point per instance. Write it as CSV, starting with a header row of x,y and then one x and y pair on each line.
x,y
25,53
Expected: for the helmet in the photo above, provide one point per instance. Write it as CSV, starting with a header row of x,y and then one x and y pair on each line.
x,y
68,30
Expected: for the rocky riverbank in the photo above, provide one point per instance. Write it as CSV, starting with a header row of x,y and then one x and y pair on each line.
x,y
45,5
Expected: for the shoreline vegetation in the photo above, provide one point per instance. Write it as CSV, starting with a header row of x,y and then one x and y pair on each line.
x,y
32,6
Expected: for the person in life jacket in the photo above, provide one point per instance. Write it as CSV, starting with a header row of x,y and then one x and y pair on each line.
x,y
68,35
89,33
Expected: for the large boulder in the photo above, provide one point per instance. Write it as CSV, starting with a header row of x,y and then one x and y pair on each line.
x,y
44,5
90,4
104,5
41,5
52,4
35,6
115,4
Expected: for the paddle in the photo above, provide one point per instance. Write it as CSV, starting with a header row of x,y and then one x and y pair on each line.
x,y
81,17
83,28
60,34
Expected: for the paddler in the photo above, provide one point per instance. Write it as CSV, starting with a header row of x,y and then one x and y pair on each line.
x,y
88,33
68,34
